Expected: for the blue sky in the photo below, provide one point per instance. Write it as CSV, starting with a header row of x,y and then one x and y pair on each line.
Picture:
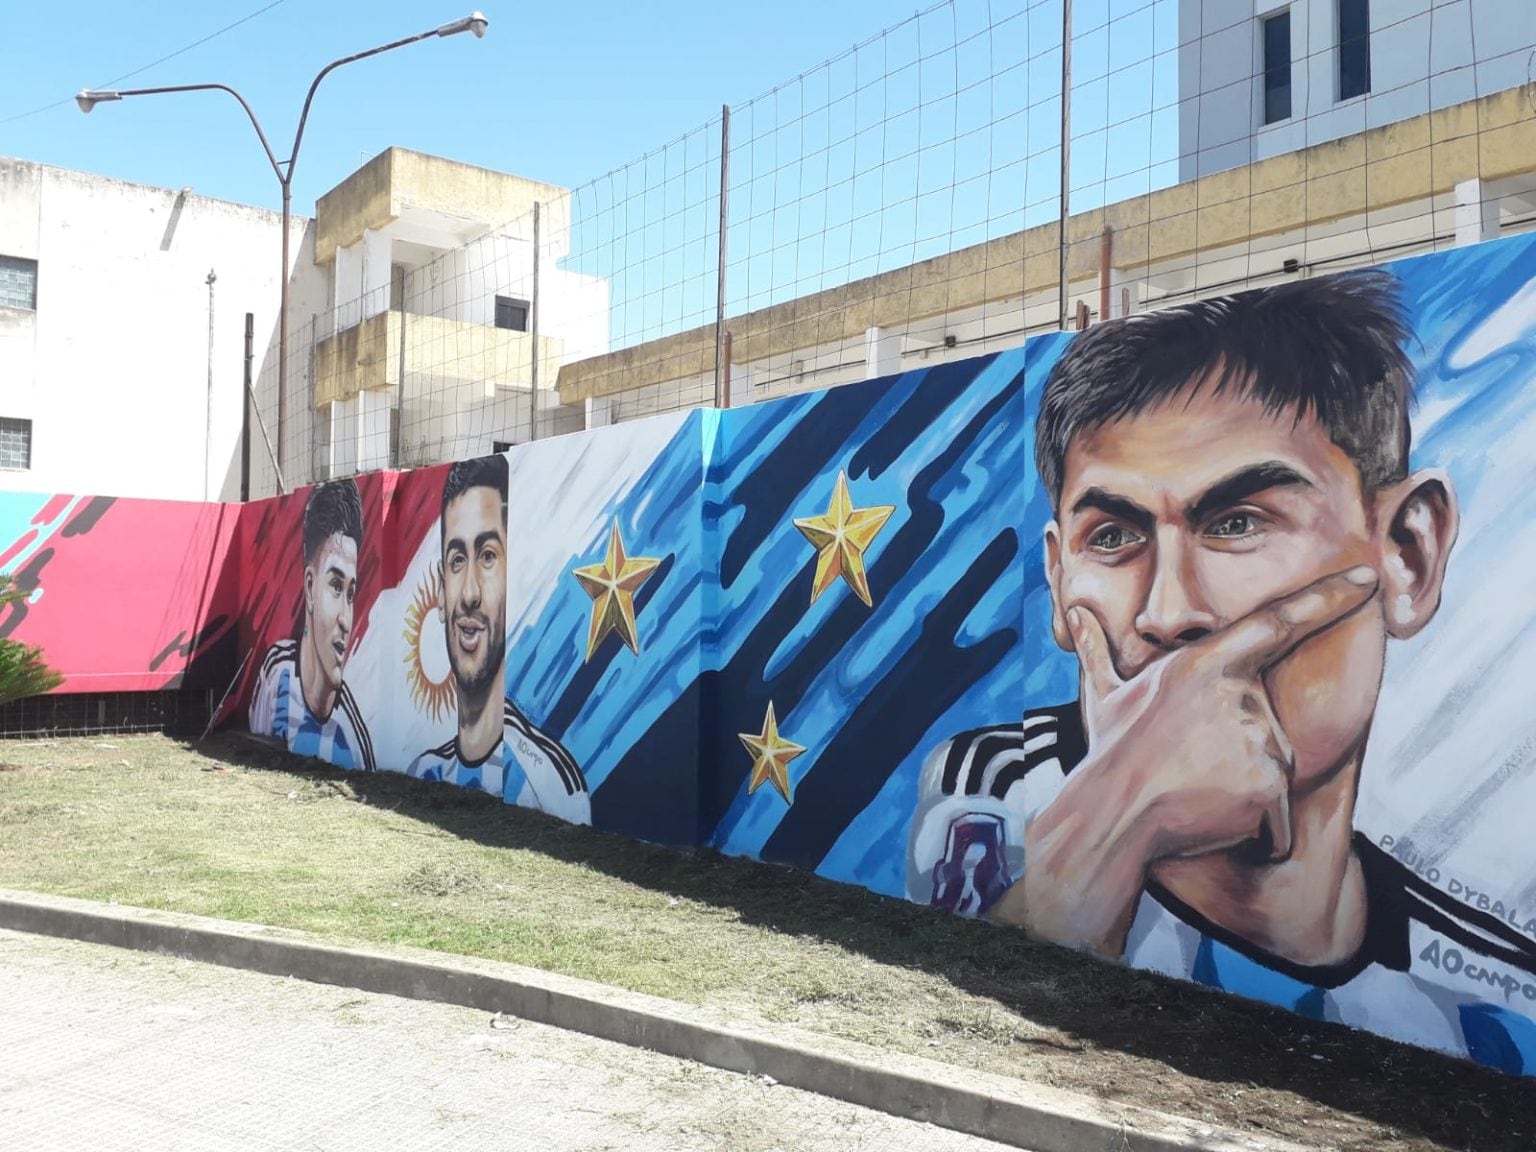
x,y
561,92
939,130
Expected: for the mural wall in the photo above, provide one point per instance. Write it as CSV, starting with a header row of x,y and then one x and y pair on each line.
x,y
123,595
1201,641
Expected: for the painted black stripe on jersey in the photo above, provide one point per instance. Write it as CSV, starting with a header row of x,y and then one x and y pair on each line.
x,y
960,746
1455,926
1065,720
1010,775
984,750
570,772
565,764
364,740
1426,896
279,652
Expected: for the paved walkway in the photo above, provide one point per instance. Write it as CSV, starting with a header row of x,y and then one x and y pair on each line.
x,y
115,1051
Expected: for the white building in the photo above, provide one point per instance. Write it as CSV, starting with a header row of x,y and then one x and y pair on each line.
x,y
121,364
1258,78
123,329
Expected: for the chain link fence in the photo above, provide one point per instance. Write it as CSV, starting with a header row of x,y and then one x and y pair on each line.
x,y
901,204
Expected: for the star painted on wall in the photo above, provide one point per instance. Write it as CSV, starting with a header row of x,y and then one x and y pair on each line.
x,y
841,538
771,754
612,586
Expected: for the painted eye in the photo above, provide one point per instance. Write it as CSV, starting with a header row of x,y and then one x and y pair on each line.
x,y
1234,524
1113,538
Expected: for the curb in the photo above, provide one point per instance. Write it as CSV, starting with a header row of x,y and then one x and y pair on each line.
x,y
1037,1117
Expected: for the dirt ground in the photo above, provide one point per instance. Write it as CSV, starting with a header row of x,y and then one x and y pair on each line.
x,y
234,830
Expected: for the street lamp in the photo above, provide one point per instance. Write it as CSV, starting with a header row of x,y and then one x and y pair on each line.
x,y
88,98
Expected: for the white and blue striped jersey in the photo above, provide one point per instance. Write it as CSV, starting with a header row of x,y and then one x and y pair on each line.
x,y
528,768
1432,971
278,709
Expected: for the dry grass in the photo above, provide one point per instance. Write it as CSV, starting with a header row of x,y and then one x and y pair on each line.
x,y
231,830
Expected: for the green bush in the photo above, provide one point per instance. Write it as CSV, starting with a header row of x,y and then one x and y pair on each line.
x,y
22,670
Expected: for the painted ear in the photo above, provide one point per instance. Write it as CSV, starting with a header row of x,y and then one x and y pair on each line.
x,y
1059,630
1420,519
442,598
309,591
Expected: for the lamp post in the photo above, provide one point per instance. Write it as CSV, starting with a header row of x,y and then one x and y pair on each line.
x,y
88,98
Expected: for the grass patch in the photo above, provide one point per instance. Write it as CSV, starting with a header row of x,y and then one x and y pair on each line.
x,y
234,830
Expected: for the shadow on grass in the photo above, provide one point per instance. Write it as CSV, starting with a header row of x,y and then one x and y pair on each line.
x,y
1204,1034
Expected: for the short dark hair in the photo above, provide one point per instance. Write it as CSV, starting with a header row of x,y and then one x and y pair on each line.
x,y
331,508
1331,348
481,472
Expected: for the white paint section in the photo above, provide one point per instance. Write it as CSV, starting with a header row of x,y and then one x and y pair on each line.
x,y
882,352
112,367
1477,215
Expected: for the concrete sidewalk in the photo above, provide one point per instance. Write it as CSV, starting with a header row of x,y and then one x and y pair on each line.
x,y
102,1049
965,1100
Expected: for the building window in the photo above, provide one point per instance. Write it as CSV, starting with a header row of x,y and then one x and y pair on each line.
x,y
15,444
1354,48
1277,66
18,283
512,313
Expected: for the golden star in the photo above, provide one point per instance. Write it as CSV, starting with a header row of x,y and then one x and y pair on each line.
x,y
841,538
771,755
612,586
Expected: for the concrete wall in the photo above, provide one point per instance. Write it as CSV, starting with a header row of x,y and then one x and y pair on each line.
x,y
1425,55
848,631
113,367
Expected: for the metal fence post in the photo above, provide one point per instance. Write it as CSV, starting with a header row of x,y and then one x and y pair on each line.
x,y
533,332
1066,153
725,193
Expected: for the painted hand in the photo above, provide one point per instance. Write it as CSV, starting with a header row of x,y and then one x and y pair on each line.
x,y
1197,749
1184,758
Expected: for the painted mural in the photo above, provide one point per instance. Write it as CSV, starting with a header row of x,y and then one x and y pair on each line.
x,y
1201,641
1237,529
168,618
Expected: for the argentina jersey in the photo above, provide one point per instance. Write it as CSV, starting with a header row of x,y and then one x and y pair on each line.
x,y
528,768
1431,970
278,710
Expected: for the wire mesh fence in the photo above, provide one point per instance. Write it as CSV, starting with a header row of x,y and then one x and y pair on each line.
x,y
902,204
177,712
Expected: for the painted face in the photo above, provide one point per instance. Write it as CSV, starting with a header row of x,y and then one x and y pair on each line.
x,y
331,587
1184,518
475,588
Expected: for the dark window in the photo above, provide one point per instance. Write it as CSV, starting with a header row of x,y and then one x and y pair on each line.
x,y
15,444
512,313
18,283
1277,67
1354,48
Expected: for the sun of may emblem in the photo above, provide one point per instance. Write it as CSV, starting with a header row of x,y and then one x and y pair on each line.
x,y
426,657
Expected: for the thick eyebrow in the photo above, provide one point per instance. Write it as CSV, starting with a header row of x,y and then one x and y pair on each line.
x,y
490,537
333,570
1239,486
1117,506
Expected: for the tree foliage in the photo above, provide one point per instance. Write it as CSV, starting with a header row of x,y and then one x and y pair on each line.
x,y
23,671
